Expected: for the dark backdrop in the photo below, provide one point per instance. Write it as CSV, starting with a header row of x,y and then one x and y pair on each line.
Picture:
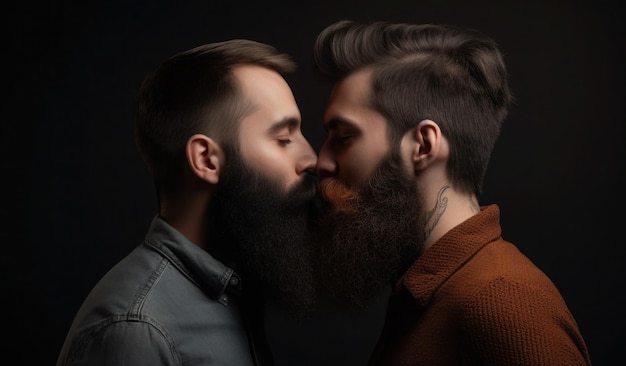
x,y
77,197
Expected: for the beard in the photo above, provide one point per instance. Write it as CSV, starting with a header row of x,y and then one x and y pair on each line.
x,y
370,235
264,233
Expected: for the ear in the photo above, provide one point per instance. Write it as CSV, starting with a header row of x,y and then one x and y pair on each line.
x,y
205,158
427,142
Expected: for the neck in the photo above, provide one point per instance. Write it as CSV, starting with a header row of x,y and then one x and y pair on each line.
x,y
448,208
189,217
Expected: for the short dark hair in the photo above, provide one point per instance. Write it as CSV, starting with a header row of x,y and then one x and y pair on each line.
x,y
455,77
195,92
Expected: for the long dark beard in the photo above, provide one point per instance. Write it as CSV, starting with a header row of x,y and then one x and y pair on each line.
x,y
264,233
368,236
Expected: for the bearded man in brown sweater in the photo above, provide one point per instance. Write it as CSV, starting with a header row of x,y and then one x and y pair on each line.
x,y
412,120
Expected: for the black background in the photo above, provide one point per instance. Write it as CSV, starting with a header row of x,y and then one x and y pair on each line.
x,y
77,197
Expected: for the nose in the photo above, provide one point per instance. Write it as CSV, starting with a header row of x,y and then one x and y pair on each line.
x,y
326,165
307,159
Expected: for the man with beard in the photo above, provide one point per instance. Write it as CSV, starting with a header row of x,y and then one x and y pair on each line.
x,y
219,130
412,119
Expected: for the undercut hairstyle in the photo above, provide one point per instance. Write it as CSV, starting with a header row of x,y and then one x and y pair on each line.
x,y
455,77
195,92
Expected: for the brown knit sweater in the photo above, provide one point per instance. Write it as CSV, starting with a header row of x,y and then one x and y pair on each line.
x,y
475,299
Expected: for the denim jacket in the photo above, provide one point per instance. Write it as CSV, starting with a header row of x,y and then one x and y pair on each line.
x,y
167,303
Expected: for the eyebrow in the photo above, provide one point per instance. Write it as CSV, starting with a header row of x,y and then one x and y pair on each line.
x,y
288,122
337,122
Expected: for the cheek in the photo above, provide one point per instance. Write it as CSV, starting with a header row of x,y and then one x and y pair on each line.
x,y
357,166
266,158
271,161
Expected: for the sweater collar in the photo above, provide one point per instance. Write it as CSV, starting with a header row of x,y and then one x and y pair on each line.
x,y
450,252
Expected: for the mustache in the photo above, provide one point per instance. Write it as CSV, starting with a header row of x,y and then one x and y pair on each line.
x,y
338,195
307,186
304,192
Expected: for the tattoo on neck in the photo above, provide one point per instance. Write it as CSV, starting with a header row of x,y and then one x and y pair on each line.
x,y
433,216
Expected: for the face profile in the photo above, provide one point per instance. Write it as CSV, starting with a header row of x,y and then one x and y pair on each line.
x,y
357,134
370,229
270,138
267,194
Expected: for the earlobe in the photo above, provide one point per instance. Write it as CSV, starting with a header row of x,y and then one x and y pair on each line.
x,y
428,138
205,157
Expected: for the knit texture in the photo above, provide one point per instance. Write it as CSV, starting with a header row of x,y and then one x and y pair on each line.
x,y
475,299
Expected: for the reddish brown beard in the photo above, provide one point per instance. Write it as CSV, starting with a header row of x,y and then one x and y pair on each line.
x,y
368,235
338,196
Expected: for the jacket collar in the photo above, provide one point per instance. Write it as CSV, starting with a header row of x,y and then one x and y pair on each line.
x,y
199,266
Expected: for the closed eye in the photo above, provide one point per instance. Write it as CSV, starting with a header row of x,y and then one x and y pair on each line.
x,y
342,131
284,142
343,138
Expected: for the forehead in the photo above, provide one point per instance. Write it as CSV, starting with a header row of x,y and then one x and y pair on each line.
x,y
262,86
353,90
268,94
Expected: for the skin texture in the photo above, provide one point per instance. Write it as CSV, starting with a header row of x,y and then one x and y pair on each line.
x,y
270,137
251,206
371,229
265,197
358,141
395,196
270,142
357,134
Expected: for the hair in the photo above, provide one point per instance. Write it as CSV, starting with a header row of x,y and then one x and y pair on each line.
x,y
455,77
195,92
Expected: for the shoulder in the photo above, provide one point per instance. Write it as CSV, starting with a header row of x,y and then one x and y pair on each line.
x,y
508,315
499,274
501,286
117,340
514,297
